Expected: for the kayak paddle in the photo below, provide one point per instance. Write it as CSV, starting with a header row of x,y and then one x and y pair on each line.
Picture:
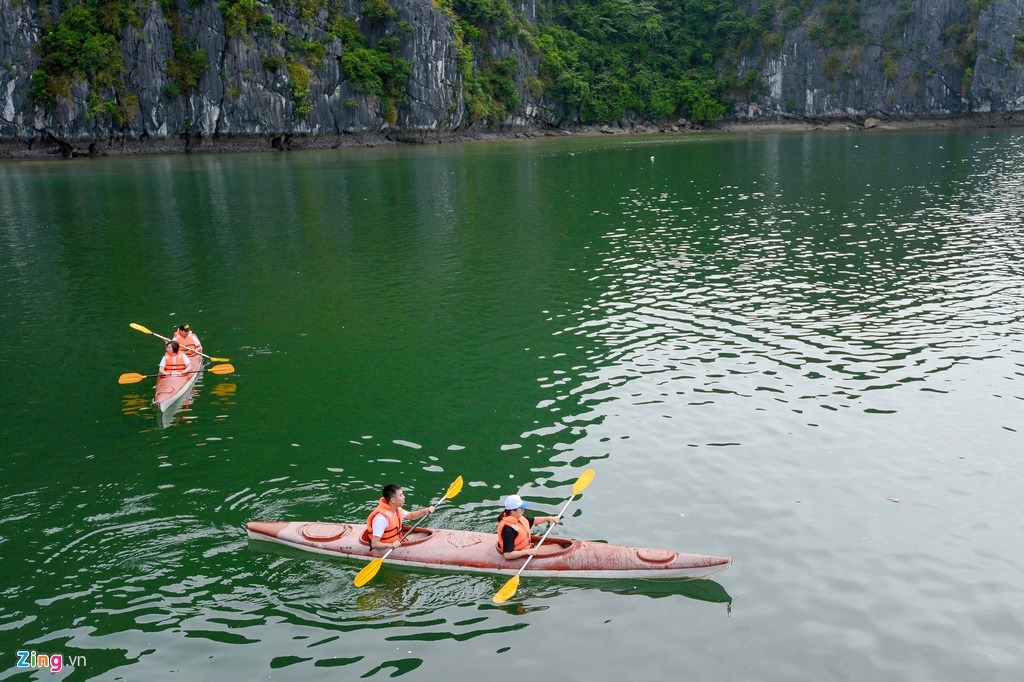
x,y
366,575
144,330
133,378
509,588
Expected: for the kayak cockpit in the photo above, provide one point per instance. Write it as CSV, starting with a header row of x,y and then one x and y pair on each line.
x,y
324,532
411,536
563,545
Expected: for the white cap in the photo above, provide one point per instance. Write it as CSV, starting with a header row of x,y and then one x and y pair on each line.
x,y
515,502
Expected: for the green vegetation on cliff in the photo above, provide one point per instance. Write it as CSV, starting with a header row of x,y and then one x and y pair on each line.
x,y
189,62
81,45
488,84
1018,43
655,58
377,70
600,60
603,60
591,61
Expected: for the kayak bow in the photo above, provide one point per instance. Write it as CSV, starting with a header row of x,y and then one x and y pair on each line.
x,y
171,389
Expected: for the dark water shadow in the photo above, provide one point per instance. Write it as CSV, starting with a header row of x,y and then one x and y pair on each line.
x,y
699,589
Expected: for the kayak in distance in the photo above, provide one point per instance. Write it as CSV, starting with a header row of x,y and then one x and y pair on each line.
x,y
461,550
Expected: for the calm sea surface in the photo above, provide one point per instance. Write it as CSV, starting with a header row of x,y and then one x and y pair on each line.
x,y
804,351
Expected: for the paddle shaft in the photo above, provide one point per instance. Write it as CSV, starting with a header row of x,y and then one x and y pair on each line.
x,y
163,374
147,330
545,536
509,588
366,575
412,528
184,350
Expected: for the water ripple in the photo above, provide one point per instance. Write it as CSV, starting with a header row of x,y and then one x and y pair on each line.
x,y
861,305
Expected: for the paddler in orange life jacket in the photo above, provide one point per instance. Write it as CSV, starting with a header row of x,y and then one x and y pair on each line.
x,y
514,530
174,362
187,339
384,525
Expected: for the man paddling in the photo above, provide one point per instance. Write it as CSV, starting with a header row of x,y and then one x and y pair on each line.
x,y
514,531
384,525
188,340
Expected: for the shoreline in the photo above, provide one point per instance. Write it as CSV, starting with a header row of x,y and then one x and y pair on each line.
x,y
54,148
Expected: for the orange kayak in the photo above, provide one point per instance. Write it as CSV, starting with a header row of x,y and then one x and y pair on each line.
x,y
171,390
461,550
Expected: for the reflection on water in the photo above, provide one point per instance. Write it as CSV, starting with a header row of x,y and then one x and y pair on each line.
x,y
133,403
225,392
181,411
710,294
699,590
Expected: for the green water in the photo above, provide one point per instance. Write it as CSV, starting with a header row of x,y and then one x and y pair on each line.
x,y
804,351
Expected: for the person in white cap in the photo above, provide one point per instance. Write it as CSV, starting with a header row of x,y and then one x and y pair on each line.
x,y
514,530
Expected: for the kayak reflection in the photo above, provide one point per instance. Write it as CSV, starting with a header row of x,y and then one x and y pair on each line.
x,y
698,589
166,413
134,404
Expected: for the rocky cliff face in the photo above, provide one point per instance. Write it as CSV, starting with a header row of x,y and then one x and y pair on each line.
x,y
913,59
917,58
998,84
245,90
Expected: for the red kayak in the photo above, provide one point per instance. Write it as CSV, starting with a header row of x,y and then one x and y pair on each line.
x,y
462,550
171,390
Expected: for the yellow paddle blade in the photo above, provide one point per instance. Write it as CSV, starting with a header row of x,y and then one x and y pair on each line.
x,y
219,360
222,369
136,325
366,575
454,488
506,592
582,482
130,378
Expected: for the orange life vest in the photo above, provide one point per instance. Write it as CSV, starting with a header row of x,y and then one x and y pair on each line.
x,y
522,526
186,341
175,362
394,529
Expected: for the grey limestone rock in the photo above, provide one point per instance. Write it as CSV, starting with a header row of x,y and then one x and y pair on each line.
x,y
903,64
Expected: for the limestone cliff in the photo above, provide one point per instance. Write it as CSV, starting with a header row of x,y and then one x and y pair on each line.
x,y
285,81
918,58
